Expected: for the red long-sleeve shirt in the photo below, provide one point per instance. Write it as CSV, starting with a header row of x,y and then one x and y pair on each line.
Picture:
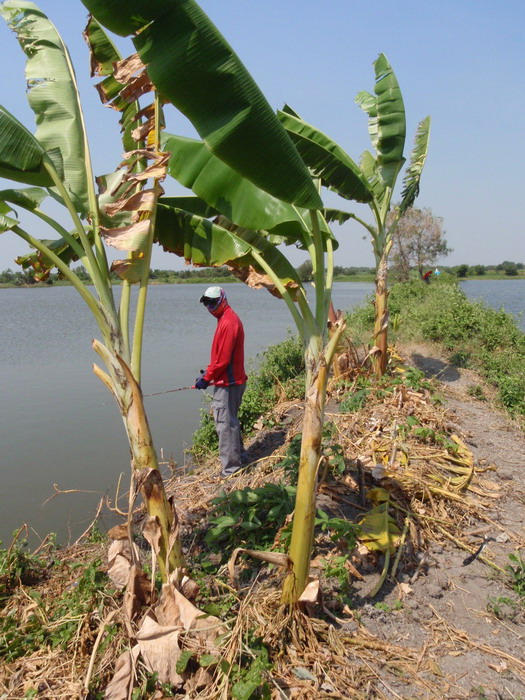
x,y
227,351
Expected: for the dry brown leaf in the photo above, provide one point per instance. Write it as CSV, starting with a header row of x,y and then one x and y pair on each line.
x,y
120,685
310,598
500,668
121,556
159,646
351,568
189,588
127,67
130,270
118,532
152,533
136,87
132,237
138,593
256,280
277,558
140,201
404,590
174,610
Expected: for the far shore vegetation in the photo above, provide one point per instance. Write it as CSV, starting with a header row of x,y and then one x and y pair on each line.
x,y
507,270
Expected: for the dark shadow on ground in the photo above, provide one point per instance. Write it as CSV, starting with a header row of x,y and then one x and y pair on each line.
x,y
265,445
434,368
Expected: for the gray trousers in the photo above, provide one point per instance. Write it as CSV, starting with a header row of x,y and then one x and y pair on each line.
x,y
225,406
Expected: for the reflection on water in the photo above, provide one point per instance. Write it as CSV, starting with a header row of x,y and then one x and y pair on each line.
x,y
58,424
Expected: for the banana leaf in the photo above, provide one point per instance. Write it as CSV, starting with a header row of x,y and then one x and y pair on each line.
x,y
103,54
41,264
207,244
378,529
370,169
30,198
417,162
6,222
22,157
52,94
193,67
386,120
194,166
326,159
192,205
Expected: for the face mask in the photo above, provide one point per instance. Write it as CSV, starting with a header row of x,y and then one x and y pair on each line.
x,y
213,304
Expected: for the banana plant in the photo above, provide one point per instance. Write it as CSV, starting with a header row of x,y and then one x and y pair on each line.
x,y
56,162
372,181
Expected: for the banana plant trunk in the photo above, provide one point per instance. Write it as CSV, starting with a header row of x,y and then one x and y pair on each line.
x,y
380,356
126,390
305,504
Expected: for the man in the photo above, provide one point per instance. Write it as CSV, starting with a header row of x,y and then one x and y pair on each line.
x,y
226,373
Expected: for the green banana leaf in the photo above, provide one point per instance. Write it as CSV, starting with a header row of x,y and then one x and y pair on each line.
x,y
386,120
326,159
22,157
193,67
6,222
417,162
30,198
52,93
369,166
194,166
192,205
204,243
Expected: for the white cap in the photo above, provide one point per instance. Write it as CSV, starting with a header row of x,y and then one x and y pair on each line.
x,y
213,292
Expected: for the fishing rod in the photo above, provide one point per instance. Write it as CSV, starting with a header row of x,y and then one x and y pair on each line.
x,y
182,388
169,391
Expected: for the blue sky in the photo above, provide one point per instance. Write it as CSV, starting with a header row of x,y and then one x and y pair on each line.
x,y
459,61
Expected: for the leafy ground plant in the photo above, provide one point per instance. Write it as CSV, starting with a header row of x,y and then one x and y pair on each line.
x,y
516,569
250,516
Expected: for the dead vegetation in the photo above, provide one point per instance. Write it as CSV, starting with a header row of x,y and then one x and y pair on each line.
x,y
399,469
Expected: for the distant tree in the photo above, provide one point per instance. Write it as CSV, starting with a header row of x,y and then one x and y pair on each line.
x,y
511,269
305,271
461,270
82,273
520,266
478,270
7,276
418,242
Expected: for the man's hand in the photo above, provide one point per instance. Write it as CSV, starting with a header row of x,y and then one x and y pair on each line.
x,y
201,383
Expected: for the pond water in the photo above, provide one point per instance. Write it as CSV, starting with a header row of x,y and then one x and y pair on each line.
x,y
499,294
58,424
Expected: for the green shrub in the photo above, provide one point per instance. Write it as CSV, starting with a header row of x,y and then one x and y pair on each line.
x,y
484,339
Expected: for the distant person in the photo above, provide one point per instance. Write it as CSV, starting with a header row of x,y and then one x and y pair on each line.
x,y
437,272
426,276
226,373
